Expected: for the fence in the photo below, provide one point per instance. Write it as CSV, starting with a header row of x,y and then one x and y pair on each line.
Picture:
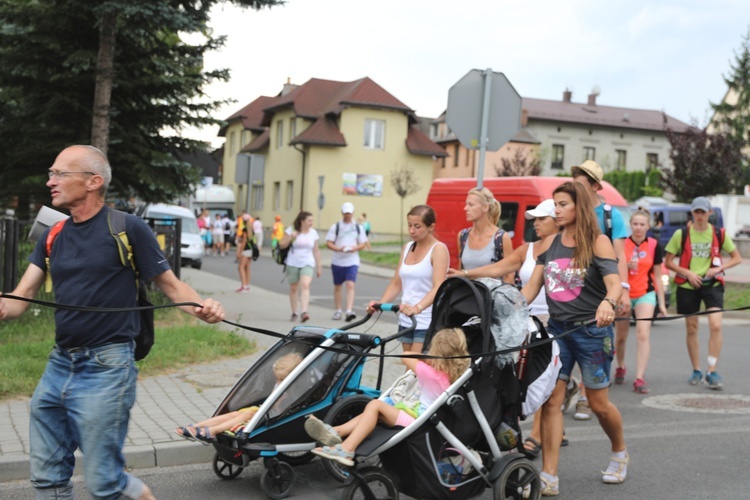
x,y
15,248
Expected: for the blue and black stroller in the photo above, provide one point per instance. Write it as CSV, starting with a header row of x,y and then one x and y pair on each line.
x,y
469,438
326,383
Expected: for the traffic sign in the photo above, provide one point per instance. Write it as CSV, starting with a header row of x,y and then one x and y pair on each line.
x,y
466,101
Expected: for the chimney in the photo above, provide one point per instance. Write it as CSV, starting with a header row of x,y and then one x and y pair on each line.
x,y
567,96
524,117
592,99
288,87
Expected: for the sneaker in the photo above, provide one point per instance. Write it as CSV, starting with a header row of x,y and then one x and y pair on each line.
x,y
620,375
336,316
321,432
350,315
245,290
696,378
550,486
304,317
714,381
640,386
293,318
570,391
583,410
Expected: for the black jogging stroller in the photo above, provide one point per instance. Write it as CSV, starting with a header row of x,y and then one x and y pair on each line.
x,y
327,383
469,438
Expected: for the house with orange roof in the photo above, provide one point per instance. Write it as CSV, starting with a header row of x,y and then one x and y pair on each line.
x,y
326,141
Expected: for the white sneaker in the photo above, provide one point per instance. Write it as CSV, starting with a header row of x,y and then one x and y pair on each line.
x,y
336,316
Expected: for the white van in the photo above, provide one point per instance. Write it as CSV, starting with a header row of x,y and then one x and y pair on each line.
x,y
191,243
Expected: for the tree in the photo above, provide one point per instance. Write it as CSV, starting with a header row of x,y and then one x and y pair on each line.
x,y
704,164
56,80
404,182
518,165
732,115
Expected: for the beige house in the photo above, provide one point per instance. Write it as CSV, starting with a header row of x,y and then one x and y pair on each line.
x,y
565,133
351,137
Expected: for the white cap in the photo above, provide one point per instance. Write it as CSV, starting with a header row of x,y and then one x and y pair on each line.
x,y
347,208
544,209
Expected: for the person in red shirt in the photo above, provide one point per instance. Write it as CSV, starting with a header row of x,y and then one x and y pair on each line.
x,y
645,256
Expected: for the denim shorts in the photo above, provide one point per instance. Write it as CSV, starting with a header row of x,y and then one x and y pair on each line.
x,y
589,346
415,337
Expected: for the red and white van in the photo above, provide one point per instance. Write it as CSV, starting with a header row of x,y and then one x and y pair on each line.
x,y
515,194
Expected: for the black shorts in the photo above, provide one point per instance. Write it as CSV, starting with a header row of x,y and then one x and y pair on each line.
x,y
689,300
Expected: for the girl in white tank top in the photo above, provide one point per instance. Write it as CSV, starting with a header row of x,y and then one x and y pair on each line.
x,y
419,278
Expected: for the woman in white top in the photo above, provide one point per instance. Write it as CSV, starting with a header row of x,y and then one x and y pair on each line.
x,y
484,242
303,259
420,272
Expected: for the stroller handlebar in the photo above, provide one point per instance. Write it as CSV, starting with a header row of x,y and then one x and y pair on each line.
x,y
386,307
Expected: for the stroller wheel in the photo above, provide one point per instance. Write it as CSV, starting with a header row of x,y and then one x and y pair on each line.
x,y
341,412
226,470
379,483
517,476
277,479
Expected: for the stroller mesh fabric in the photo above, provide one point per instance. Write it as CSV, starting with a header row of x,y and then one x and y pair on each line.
x,y
509,318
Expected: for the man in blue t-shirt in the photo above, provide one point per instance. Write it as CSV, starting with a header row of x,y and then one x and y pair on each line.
x,y
84,397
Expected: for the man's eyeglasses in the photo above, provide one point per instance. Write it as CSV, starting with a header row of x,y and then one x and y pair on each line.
x,y
62,174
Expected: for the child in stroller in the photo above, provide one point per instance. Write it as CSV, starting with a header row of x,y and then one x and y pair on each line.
x,y
228,422
434,377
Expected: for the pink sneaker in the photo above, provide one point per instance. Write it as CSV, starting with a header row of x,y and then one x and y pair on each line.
x,y
640,386
620,375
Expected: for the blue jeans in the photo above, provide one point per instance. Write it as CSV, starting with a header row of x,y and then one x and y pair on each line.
x,y
83,401
591,347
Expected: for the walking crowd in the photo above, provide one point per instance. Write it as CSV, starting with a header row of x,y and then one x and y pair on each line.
x,y
582,277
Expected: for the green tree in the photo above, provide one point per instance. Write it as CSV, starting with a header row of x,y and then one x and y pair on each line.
x,y
404,182
114,73
704,164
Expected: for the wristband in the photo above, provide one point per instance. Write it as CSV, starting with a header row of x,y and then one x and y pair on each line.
x,y
466,273
420,307
612,302
626,286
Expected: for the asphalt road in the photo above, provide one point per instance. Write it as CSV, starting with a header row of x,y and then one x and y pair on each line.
x,y
685,442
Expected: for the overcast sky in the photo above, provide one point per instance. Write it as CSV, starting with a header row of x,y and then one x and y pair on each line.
x,y
663,54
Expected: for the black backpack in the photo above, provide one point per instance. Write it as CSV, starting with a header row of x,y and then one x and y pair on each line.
x,y
279,254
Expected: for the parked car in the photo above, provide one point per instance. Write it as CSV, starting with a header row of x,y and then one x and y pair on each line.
x,y
191,243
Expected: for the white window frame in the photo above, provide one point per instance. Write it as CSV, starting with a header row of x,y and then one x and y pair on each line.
x,y
374,134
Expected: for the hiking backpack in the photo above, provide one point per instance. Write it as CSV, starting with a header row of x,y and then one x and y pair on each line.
x,y
144,340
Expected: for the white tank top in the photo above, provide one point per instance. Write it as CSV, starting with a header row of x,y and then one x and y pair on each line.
x,y
416,282
539,304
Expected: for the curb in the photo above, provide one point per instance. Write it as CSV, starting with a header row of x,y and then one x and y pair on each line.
x,y
167,454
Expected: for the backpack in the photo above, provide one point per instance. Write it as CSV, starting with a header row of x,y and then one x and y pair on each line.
x,y
279,254
686,252
337,230
608,220
227,226
144,340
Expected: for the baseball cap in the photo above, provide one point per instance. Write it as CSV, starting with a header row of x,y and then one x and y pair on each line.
x,y
701,203
544,209
590,168
347,208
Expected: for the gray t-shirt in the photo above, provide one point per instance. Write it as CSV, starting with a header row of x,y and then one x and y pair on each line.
x,y
472,259
573,294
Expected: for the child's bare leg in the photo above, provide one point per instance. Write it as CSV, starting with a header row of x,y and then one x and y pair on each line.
x,y
238,418
366,422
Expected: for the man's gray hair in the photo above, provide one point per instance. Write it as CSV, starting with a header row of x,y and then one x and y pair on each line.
x,y
97,162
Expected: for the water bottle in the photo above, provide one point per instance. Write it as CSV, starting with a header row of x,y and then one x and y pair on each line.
x,y
633,264
506,437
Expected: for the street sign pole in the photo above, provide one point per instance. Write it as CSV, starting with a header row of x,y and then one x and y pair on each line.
x,y
485,124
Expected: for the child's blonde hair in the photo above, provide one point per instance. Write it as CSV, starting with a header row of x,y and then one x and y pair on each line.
x,y
449,342
285,364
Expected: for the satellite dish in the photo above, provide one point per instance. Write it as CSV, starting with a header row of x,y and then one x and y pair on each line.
x,y
596,90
